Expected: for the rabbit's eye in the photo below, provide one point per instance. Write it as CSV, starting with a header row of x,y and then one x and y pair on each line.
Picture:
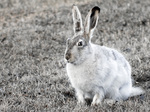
x,y
80,43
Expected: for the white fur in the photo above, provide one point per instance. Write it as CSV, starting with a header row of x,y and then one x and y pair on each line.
x,y
102,76
103,73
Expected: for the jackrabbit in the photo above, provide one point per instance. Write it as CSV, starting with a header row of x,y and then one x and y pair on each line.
x,y
96,72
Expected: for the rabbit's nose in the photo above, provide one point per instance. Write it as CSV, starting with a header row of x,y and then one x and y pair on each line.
x,y
68,55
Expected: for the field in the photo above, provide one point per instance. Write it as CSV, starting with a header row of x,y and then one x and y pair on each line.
x,y
32,43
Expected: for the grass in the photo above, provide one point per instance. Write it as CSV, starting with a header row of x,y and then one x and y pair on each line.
x,y
32,45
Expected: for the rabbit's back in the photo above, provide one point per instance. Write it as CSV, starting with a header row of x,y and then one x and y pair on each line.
x,y
112,54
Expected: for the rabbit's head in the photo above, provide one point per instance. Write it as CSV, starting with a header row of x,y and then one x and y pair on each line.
x,y
78,47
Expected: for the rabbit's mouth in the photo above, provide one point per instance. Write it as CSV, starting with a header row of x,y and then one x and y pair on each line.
x,y
75,62
71,62
70,59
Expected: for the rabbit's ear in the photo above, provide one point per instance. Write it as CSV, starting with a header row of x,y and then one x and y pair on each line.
x,y
77,20
91,20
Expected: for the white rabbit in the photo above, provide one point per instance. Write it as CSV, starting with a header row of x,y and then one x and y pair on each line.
x,y
96,72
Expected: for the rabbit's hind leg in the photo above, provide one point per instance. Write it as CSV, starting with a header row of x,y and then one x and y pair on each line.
x,y
114,94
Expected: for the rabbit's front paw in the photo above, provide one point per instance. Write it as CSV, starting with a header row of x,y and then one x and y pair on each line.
x,y
96,100
81,99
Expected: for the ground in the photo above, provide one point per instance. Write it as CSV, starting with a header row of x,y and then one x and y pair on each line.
x,y
32,44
